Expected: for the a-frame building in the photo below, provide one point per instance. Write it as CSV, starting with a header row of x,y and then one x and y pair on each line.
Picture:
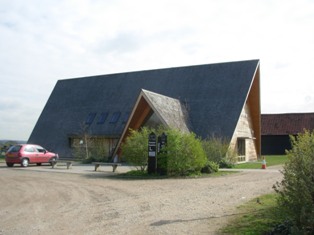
x,y
220,100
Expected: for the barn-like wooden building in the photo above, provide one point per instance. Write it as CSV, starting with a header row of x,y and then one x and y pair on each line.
x,y
276,129
221,100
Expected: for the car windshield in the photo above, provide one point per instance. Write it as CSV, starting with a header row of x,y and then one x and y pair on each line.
x,y
14,148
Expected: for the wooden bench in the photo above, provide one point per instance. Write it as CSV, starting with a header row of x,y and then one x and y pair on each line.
x,y
68,163
113,164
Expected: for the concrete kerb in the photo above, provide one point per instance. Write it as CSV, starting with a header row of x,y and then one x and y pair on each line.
x,y
268,169
90,169
76,169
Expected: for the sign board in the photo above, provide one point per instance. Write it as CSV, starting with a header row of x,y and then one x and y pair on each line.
x,y
152,145
162,142
152,158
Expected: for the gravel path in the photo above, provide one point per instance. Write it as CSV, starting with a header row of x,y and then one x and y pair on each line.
x,y
41,200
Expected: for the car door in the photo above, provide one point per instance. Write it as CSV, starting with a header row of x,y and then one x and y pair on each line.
x,y
42,157
31,153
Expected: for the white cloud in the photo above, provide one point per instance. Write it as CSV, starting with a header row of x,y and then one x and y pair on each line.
x,y
43,41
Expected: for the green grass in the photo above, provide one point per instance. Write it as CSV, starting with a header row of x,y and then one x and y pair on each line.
x,y
255,218
271,160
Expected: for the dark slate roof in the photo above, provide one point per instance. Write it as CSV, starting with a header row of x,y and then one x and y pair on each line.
x,y
213,94
287,123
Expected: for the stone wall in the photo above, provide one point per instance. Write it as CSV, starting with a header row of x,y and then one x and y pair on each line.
x,y
245,131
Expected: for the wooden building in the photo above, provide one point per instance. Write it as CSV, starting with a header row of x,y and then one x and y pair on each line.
x,y
220,100
276,129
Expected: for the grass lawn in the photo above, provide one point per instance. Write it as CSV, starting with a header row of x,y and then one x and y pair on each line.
x,y
255,217
271,160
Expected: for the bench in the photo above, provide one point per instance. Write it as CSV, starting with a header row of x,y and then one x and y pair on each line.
x,y
113,164
68,163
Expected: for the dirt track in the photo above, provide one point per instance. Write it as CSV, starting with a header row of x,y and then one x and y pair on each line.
x,y
40,200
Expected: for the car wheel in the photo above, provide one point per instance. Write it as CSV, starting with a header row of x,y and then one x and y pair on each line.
x,y
38,164
24,162
10,164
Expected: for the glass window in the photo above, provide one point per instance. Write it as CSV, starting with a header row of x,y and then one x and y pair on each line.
x,y
29,149
115,117
40,149
102,118
14,148
90,118
241,149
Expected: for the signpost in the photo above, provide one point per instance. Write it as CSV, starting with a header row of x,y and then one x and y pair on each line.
x,y
162,141
154,148
152,153
162,157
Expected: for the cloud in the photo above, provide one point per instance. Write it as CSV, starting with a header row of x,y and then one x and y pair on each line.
x,y
17,118
121,43
43,41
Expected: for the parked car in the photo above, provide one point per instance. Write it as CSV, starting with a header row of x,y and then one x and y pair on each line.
x,y
26,154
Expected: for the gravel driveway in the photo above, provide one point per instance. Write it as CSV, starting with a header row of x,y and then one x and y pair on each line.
x,y
41,200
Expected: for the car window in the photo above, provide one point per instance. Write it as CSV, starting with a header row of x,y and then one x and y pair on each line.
x,y
40,149
29,149
14,148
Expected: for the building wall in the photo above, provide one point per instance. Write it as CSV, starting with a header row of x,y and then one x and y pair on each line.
x,y
245,132
96,147
275,144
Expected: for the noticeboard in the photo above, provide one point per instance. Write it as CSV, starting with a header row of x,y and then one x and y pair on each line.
x,y
152,145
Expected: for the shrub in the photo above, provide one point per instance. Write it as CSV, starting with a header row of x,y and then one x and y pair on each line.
x,y
217,150
183,154
210,167
283,228
135,148
296,190
225,163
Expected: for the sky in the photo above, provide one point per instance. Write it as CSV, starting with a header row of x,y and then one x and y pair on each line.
x,y
43,41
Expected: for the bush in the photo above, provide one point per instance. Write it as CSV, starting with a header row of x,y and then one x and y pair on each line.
x,y
210,167
283,228
225,163
296,190
217,150
183,154
135,148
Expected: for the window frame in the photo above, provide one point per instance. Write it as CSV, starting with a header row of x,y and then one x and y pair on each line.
x,y
241,149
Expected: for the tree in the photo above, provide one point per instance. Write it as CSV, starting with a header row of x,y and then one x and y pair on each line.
x,y
87,147
4,146
296,190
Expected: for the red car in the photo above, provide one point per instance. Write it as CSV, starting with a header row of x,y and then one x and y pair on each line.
x,y
25,154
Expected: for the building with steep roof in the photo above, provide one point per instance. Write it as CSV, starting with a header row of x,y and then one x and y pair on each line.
x,y
220,100
276,129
